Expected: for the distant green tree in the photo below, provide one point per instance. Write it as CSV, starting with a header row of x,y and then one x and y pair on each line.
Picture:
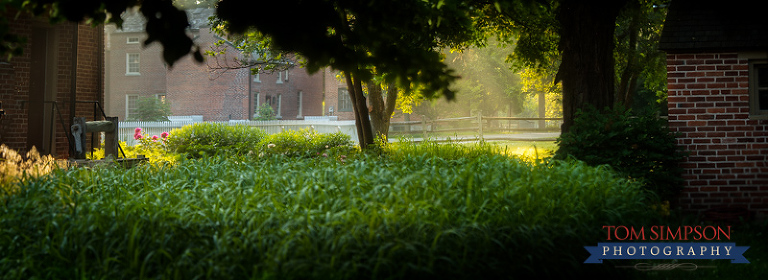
x,y
266,113
640,66
151,109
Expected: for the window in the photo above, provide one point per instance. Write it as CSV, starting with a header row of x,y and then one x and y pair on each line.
x,y
299,100
132,64
345,103
131,106
274,101
286,75
256,78
256,104
161,97
280,77
758,89
279,106
132,40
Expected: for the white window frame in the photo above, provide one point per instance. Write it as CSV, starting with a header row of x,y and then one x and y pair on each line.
x,y
257,78
300,106
256,105
132,40
128,104
128,70
755,67
279,77
344,99
279,114
161,97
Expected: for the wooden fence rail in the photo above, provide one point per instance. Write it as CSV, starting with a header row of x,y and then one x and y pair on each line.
x,y
479,124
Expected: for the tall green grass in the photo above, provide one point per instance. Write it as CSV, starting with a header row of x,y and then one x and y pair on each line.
x,y
421,212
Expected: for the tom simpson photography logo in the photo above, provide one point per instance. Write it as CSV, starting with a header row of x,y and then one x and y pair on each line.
x,y
667,243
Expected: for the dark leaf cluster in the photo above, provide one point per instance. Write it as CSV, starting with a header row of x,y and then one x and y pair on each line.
x,y
639,146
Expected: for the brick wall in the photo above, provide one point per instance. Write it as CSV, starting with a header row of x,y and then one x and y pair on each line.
x,y
274,85
709,107
149,82
16,80
192,88
332,86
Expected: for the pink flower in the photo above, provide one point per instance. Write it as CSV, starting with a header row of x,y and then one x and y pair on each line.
x,y
164,134
137,136
154,137
137,131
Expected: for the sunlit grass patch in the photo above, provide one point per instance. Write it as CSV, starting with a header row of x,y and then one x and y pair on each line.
x,y
529,150
15,169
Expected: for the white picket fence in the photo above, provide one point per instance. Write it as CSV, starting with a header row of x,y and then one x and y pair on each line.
x,y
156,128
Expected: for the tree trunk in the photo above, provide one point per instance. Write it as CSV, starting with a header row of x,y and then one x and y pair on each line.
x,y
360,108
381,110
628,78
587,70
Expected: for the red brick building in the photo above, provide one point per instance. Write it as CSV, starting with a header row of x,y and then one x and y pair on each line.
x,y
58,77
717,68
192,89
337,100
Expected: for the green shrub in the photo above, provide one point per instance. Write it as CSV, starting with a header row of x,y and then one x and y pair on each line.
x,y
154,153
208,139
641,147
266,113
306,143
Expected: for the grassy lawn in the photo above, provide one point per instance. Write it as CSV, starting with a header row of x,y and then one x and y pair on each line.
x,y
428,211
526,149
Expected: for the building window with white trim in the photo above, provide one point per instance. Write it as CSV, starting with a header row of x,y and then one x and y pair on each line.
x,y
345,103
280,77
132,64
131,106
161,97
299,106
279,107
758,89
256,104
132,40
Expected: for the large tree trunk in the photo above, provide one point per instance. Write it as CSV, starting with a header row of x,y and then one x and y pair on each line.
x,y
381,110
587,69
360,108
